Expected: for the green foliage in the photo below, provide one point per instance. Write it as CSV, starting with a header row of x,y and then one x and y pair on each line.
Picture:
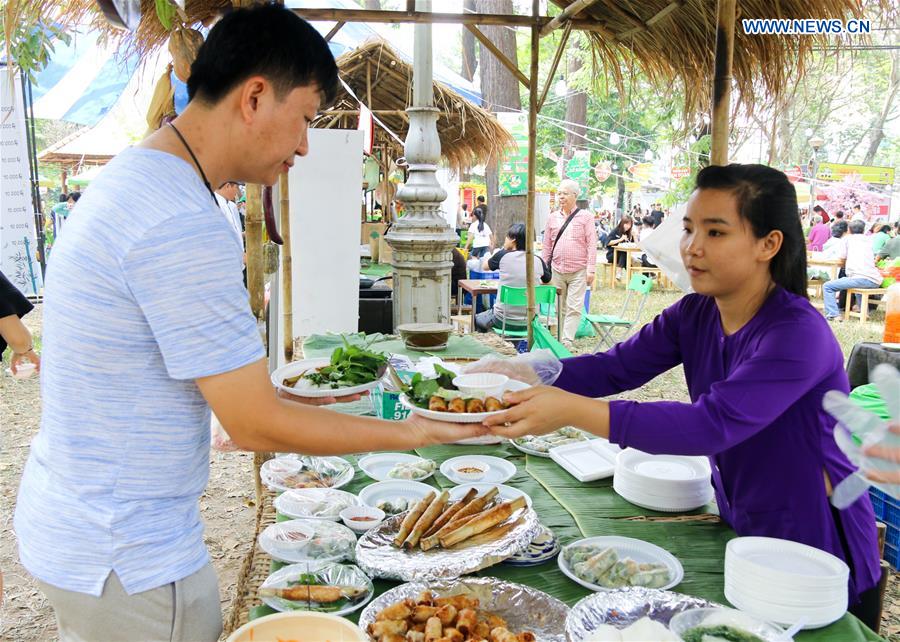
x,y
31,43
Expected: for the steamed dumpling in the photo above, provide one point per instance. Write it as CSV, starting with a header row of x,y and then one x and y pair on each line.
x,y
605,633
647,629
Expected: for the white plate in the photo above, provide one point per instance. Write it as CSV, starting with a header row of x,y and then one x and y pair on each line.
x,y
817,618
314,503
540,453
296,367
378,465
500,470
662,505
670,470
461,417
586,460
342,574
275,471
411,491
638,550
329,542
787,561
506,493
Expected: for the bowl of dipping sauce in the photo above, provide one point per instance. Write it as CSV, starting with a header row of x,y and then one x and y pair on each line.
x,y
471,469
362,518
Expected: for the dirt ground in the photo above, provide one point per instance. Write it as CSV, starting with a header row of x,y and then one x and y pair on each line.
x,y
227,505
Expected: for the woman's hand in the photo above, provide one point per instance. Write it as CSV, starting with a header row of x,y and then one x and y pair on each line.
x,y
888,453
535,411
319,401
441,432
18,359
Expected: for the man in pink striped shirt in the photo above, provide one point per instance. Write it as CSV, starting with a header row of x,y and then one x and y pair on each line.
x,y
570,249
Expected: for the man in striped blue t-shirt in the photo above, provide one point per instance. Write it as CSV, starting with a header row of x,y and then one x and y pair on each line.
x,y
147,325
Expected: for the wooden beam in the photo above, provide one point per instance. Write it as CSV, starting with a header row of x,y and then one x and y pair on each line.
x,y
721,89
662,13
410,6
506,62
369,84
532,163
567,14
364,15
287,291
556,58
334,30
615,7
378,112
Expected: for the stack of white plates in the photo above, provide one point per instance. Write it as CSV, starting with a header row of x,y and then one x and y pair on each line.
x,y
666,483
782,581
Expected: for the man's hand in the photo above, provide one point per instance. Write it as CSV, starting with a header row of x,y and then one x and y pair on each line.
x,y
887,453
589,277
18,359
441,432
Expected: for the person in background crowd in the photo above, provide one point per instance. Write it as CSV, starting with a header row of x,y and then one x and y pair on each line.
x,y
480,237
836,246
457,272
147,327
860,268
570,250
881,235
226,196
623,233
891,249
820,211
510,261
480,206
646,230
71,201
838,216
744,338
13,333
59,213
857,214
462,219
657,214
819,233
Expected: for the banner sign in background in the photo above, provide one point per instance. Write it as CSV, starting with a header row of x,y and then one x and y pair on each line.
x,y
513,174
18,245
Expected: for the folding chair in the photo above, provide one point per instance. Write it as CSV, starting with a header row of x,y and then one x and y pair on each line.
x,y
519,297
608,324
543,338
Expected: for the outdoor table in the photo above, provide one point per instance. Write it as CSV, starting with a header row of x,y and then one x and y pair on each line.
x,y
863,359
479,287
572,510
628,249
833,266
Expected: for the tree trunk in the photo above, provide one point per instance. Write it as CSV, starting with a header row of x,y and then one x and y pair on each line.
x,y
576,111
877,127
469,61
372,5
500,92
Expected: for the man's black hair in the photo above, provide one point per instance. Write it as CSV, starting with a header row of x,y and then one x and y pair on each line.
x,y
481,199
74,196
264,40
63,197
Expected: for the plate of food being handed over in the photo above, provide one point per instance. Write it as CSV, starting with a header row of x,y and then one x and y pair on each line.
x,y
458,399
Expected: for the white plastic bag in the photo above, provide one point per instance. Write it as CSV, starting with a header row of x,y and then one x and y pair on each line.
x,y
663,248
538,367
219,439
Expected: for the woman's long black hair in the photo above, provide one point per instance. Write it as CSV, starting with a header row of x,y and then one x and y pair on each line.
x,y
479,214
767,200
620,228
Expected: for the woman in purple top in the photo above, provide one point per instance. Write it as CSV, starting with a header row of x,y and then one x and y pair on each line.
x,y
758,359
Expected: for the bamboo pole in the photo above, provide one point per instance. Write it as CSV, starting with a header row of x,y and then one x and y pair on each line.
x,y
254,225
337,27
556,58
566,15
532,162
506,62
721,89
287,301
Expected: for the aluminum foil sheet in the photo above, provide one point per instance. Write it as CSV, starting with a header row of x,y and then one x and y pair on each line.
x,y
523,607
623,607
377,556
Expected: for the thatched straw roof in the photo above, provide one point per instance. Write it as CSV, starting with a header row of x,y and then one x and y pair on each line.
x,y
469,134
675,40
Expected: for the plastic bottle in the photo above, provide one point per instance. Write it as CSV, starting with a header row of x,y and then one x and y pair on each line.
x,y
892,314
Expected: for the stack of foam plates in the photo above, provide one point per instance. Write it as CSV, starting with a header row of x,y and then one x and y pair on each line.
x,y
782,581
665,483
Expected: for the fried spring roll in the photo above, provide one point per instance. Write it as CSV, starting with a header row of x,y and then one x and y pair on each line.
x,y
392,637
488,520
474,405
398,611
448,514
388,627
459,602
447,614
411,518
482,630
423,612
438,404
415,636
457,405
453,635
466,621
433,630
473,507
425,597
435,508
501,634
526,636
495,621
418,627
428,543
311,593
492,404
488,536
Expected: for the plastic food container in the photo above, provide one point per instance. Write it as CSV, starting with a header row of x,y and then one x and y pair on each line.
x,y
299,626
481,384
